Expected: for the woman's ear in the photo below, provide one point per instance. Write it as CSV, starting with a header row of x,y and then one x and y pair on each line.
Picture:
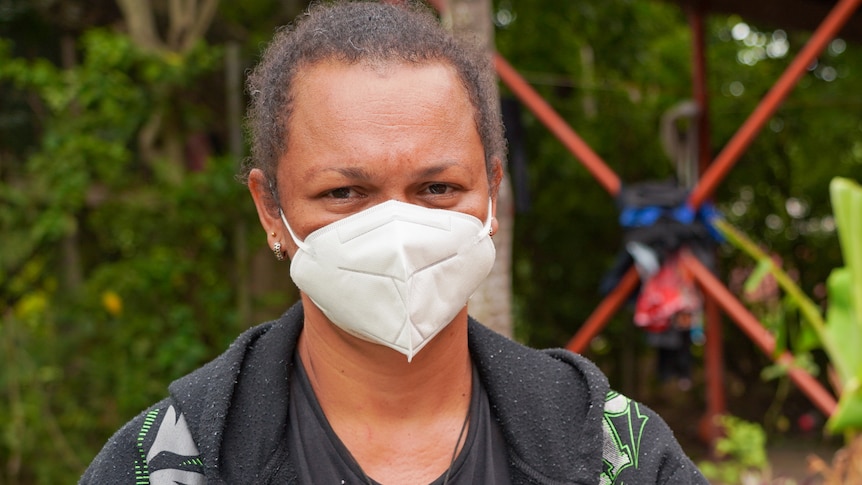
x,y
266,205
496,177
495,180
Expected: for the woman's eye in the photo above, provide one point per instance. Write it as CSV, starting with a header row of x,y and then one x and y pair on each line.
x,y
438,189
341,193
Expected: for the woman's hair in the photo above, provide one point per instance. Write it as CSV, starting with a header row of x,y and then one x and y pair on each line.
x,y
354,33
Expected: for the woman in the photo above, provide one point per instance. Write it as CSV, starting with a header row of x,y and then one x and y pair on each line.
x,y
376,157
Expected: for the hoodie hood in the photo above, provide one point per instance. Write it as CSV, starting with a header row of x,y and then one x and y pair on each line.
x,y
243,392
549,405
227,421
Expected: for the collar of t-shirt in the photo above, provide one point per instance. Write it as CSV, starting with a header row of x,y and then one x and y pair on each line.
x,y
320,457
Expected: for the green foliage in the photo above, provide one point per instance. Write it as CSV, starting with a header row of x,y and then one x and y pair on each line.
x,y
742,451
641,68
840,334
844,315
116,274
778,190
614,100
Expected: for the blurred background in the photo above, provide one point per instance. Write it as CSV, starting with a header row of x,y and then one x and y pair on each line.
x,y
130,254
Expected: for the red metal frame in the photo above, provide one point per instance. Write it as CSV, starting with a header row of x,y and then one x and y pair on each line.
x,y
749,324
558,126
830,26
713,357
606,309
712,175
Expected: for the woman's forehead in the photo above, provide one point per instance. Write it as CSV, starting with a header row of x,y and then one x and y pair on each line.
x,y
336,100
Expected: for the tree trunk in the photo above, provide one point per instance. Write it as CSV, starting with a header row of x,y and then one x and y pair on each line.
x,y
492,302
188,21
141,23
73,271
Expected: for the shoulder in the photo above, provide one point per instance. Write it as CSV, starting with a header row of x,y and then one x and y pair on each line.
x,y
639,447
160,442
554,373
156,444
257,339
548,405
209,390
561,419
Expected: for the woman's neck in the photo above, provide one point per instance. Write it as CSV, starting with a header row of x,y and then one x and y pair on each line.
x,y
350,375
400,420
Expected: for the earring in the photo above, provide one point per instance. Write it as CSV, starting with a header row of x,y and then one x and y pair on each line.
x,y
276,249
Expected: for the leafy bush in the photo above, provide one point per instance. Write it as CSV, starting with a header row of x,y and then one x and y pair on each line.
x,y
117,270
741,451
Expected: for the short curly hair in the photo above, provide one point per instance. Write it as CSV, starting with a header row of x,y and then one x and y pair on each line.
x,y
353,33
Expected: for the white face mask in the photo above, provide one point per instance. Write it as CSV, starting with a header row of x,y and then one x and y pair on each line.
x,y
394,274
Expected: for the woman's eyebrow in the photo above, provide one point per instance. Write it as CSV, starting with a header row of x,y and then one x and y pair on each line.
x,y
353,173
357,173
438,168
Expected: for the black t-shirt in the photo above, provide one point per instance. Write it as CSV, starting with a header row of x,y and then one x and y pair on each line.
x,y
321,458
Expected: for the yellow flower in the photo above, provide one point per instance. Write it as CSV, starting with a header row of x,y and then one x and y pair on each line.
x,y
112,302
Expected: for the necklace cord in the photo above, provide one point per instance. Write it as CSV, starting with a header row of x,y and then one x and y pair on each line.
x,y
454,452
458,443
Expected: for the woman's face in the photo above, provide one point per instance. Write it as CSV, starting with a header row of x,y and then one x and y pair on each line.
x,y
363,135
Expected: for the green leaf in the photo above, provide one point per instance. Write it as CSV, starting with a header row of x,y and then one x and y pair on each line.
x,y
774,371
841,327
846,198
763,268
807,339
848,415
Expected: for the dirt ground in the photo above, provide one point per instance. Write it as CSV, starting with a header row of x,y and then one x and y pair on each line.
x,y
790,459
788,454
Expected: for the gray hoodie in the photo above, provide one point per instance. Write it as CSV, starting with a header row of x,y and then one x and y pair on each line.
x,y
226,422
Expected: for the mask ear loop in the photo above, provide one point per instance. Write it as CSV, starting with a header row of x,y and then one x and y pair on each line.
x,y
299,244
486,227
296,240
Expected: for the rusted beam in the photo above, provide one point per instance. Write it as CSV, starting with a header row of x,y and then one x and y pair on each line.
x,y
546,114
713,363
713,356
710,285
606,309
740,141
700,90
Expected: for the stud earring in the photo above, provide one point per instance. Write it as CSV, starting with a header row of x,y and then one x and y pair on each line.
x,y
276,249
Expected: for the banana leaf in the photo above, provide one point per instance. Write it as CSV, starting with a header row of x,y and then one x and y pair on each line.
x,y
848,414
844,314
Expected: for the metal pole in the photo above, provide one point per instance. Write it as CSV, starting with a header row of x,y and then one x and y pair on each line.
x,y
599,169
713,351
546,114
818,395
606,309
699,85
827,30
